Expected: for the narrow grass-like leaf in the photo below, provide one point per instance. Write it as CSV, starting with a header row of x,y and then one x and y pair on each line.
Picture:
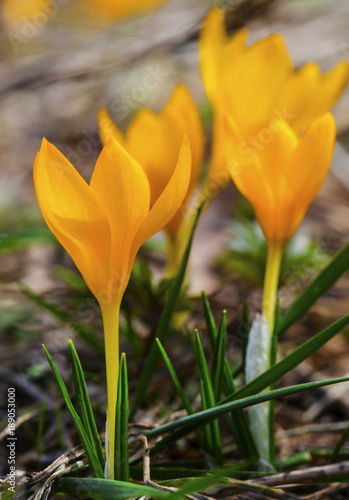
x,y
24,237
238,423
90,453
210,322
180,391
121,465
273,354
106,489
208,399
339,446
186,425
82,331
318,287
219,357
84,404
290,361
164,324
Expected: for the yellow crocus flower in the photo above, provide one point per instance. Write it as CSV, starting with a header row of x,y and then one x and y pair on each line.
x,y
153,139
281,180
102,225
257,83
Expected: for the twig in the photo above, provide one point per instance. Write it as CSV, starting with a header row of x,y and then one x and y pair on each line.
x,y
313,474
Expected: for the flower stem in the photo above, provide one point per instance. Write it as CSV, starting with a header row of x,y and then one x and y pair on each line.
x,y
173,255
271,280
110,314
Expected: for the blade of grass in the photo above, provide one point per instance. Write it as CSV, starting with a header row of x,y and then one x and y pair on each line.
x,y
290,361
121,465
339,446
178,386
107,489
318,287
85,333
90,453
84,404
208,401
184,426
219,357
273,354
238,423
164,324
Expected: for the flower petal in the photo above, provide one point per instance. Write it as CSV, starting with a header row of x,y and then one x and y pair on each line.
x,y
122,189
168,202
107,128
212,41
73,215
308,94
154,140
251,86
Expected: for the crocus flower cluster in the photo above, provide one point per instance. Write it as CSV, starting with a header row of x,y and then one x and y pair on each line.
x,y
272,135
261,108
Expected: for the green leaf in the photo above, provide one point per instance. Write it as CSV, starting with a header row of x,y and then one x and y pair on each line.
x,y
90,453
85,333
184,426
84,404
180,391
208,401
219,357
24,237
121,465
318,287
106,489
164,324
273,354
238,423
290,361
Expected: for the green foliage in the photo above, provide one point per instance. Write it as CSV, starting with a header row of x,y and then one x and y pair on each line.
x,y
211,431
316,289
84,405
164,324
92,456
247,254
106,489
121,466
82,331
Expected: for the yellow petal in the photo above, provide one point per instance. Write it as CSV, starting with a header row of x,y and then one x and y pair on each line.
x,y
212,41
184,110
154,140
122,189
312,160
308,94
73,215
107,128
251,85
168,202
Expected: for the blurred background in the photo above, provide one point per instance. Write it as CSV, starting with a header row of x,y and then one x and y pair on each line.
x,y
61,61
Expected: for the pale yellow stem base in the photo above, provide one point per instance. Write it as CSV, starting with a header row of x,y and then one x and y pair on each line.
x,y
110,314
271,280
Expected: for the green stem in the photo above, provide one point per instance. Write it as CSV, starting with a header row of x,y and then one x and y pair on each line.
x,y
271,280
110,314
